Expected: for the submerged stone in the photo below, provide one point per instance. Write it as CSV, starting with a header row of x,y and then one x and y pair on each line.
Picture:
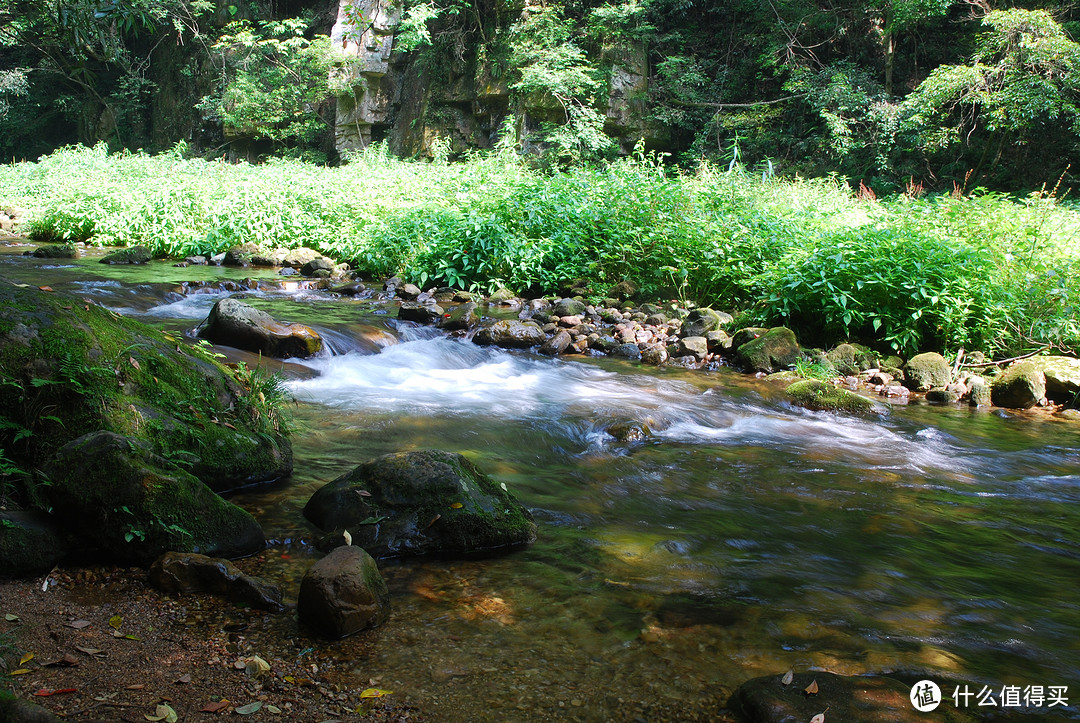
x,y
424,502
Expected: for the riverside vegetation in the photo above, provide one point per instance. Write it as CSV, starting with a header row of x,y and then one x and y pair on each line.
x,y
979,270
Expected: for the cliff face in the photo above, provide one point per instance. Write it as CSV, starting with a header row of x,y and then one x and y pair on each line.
x,y
462,97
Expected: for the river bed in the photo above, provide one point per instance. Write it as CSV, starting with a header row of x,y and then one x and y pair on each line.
x,y
743,538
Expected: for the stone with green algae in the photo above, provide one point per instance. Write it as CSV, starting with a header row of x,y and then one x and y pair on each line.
x,y
822,396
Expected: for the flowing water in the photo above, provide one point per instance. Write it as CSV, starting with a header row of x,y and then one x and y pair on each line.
x,y
743,538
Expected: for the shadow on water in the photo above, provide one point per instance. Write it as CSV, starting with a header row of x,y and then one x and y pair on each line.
x,y
740,538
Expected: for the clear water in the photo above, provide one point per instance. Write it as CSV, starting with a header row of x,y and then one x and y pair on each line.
x,y
743,538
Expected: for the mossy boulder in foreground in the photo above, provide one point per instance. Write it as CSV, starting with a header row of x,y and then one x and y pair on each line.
x,y
1020,386
122,501
772,351
425,502
68,367
923,372
821,396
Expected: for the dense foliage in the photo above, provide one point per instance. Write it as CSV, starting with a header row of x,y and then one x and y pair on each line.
x,y
885,92
981,271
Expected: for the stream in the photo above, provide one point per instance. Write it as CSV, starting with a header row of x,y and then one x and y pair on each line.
x,y
743,538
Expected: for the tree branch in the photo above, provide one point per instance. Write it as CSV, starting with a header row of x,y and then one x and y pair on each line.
x,y
697,104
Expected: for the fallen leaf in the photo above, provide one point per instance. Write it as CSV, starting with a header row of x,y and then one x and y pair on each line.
x,y
456,505
162,713
184,679
136,686
20,671
250,708
277,711
256,667
214,706
115,622
788,677
92,652
375,693
819,718
45,288
347,536
363,493
434,519
68,661
134,362
46,692
79,624
26,659
11,618
812,689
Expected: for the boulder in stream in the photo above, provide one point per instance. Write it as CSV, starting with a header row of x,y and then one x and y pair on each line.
x,y
119,498
1062,374
234,323
420,313
92,369
923,372
1021,386
132,255
511,334
343,593
772,351
425,502
822,396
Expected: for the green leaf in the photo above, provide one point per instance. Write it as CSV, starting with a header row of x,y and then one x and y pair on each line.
x,y
250,708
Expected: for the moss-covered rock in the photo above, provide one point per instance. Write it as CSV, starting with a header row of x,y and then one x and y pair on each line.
x,y
424,502
57,251
132,255
568,307
30,542
746,334
772,351
700,322
849,359
923,372
234,323
1062,374
821,396
68,368
128,504
241,254
1020,386
461,317
511,334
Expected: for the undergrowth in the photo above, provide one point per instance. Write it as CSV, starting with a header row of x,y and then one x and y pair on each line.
x,y
984,271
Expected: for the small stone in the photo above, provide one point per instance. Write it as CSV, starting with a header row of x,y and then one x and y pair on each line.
x,y
343,593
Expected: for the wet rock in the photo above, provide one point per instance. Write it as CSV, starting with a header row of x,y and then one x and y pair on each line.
x,y
240,255
846,698
605,343
424,502
57,251
557,344
195,260
623,291
501,296
420,313
463,316
275,257
1062,376
188,572
655,355
119,498
926,371
132,255
343,593
1021,386
942,395
696,346
356,288
511,334
234,323
568,307
1073,415
629,350
408,291
569,322
701,321
718,340
629,431
30,542
821,396
316,265
880,377
851,358
978,391
775,349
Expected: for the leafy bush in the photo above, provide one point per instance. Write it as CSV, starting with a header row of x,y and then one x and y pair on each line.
x,y
984,272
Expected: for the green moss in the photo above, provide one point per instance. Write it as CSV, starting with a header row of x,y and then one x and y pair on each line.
x,y
773,350
821,396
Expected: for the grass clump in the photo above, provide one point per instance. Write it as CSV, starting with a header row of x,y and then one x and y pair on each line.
x,y
984,272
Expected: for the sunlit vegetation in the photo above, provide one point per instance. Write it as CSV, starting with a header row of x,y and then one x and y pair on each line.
x,y
982,270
